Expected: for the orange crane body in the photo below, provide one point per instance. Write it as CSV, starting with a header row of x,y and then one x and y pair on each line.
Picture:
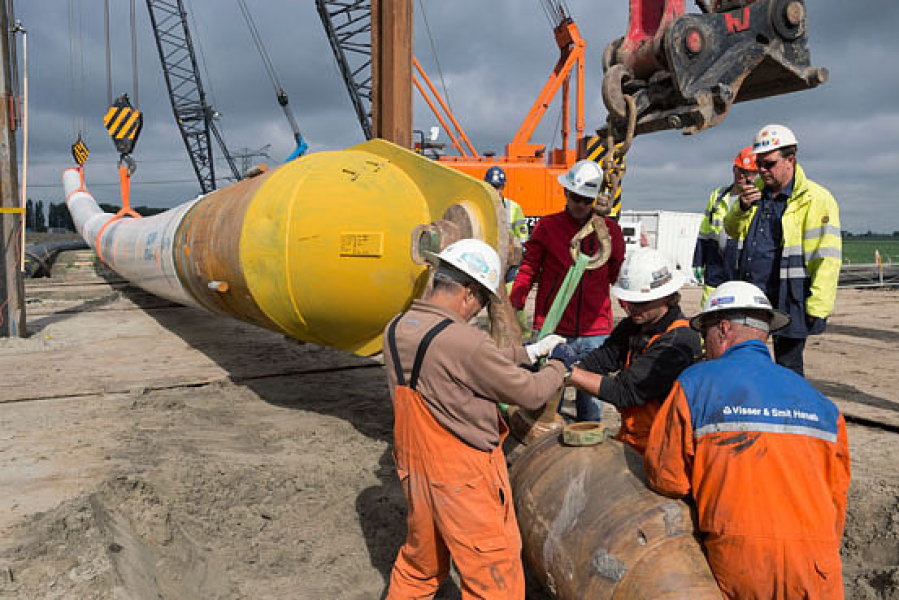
x,y
531,176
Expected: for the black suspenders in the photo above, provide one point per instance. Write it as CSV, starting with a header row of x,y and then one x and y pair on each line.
x,y
419,354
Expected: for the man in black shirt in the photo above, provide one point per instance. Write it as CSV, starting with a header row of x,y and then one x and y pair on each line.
x,y
637,365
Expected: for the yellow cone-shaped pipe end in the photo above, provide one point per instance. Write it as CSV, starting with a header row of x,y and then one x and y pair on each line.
x,y
328,245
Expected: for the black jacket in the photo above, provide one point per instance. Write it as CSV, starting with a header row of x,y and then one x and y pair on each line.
x,y
653,370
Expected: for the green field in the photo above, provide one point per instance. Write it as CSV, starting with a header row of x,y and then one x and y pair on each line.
x,y
860,251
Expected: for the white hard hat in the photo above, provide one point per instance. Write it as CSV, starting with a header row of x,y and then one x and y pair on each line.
x,y
584,179
474,258
740,296
771,137
646,275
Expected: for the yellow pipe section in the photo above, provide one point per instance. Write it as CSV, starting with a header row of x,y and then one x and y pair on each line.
x,y
327,248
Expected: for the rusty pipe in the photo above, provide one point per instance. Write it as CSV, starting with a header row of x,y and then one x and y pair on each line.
x,y
592,529
324,249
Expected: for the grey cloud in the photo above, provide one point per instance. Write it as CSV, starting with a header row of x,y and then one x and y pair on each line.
x,y
495,57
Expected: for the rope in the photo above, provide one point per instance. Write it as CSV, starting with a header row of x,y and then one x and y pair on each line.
x,y
434,52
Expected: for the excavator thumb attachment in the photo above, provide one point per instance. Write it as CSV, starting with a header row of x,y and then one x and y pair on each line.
x,y
688,73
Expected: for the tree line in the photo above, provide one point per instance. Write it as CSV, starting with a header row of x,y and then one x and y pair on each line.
x,y
57,215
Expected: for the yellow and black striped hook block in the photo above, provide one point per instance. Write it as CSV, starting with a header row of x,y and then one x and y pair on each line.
x,y
123,122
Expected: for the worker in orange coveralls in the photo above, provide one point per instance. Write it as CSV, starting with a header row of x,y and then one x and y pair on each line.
x,y
446,378
762,452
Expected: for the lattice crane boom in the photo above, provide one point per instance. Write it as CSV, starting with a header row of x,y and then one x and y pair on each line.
x,y
193,114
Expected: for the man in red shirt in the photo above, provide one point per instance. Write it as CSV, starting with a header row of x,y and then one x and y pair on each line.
x,y
587,321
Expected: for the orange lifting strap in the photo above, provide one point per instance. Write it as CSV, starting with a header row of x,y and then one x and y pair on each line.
x,y
125,169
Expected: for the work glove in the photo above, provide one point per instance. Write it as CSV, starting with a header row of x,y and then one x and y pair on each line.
x,y
566,354
543,347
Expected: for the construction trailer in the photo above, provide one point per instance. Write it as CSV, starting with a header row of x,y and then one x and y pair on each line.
x,y
674,233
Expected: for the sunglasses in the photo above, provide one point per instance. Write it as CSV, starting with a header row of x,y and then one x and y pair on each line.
x,y
580,199
768,164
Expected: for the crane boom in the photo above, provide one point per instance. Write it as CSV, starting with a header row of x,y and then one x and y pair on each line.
x,y
193,114
348,26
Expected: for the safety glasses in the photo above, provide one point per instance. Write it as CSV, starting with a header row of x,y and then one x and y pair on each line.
x,y
580,199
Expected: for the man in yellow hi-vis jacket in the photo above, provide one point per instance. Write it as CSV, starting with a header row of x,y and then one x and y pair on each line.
x,y
715,256
788,229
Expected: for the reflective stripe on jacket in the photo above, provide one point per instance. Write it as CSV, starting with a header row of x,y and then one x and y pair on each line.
x,y
812,251
766,457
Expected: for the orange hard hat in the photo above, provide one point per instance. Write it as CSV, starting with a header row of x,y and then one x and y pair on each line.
x,y
746,159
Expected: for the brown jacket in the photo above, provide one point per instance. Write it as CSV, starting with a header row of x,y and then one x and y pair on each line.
x,y
464,374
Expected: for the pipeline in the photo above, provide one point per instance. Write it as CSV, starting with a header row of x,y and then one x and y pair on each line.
x,y
39,258
325,249
592,529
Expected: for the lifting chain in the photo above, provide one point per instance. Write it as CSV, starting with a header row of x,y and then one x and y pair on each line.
x,y
615,163
614,166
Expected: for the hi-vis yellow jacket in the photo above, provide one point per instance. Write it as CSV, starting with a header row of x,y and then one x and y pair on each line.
x,y
518,224
812,251
715,251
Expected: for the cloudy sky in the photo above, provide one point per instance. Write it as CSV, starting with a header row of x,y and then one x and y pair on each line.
x,y
494,56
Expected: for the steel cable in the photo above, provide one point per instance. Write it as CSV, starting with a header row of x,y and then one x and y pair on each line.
x,y
260,46
434,52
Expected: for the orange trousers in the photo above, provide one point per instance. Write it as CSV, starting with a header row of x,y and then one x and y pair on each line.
x,y
766,569
460,505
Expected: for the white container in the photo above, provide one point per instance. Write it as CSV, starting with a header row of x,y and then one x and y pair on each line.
x,y
674,233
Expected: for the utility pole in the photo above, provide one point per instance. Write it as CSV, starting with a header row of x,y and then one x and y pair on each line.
x,y
12,286
391,52
246,156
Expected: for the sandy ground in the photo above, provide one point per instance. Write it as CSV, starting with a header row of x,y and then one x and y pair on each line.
x,y
149,450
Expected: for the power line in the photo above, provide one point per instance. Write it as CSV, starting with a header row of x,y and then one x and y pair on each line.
x,y
116,183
